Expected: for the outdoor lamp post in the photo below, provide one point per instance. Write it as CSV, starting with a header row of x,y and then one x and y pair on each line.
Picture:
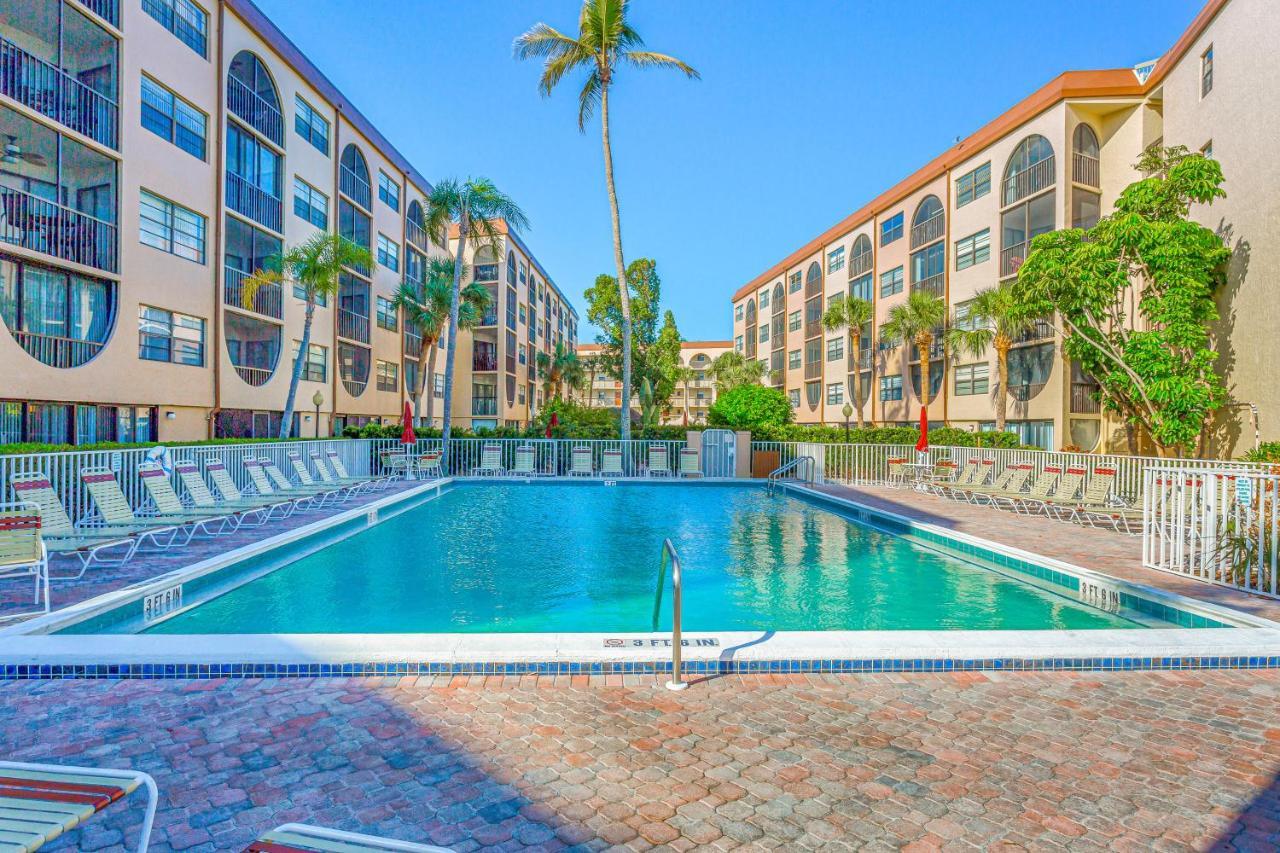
x,y
317,399
847,411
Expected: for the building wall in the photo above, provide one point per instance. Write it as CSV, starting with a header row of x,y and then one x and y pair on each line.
x,y
606,392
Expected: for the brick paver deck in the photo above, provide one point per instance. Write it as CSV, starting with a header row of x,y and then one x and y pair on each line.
x,y
1126,761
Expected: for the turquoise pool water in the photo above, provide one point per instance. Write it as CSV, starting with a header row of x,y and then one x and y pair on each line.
x,y
547,557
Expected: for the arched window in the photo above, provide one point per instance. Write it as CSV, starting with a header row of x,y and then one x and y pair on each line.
x,y
751,328
1084,140
751,312
353,367
62,319
860,258
1029,170
511,268
927,224
353,179
779,300
1084,156
813,280
253,346
251,95
416,225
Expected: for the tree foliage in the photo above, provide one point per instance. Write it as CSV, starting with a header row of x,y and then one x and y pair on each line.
x,y
750,407
655,350
732,370
1135,297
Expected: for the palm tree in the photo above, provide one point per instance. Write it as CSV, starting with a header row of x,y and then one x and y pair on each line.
x,y
475,207
995,319
426,308
854,313
315,266
588,382
557,367
915,321
605,41
732,369
684,375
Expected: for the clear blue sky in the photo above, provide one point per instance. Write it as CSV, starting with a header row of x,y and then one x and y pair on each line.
x,y
718,178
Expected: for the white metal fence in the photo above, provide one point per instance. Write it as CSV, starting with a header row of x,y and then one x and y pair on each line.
x,y
1221,526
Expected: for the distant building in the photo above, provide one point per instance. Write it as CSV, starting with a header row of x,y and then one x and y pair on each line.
x,y
693,397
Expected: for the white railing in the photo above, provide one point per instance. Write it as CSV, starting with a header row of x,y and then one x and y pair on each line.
x,y
554,457
1220,526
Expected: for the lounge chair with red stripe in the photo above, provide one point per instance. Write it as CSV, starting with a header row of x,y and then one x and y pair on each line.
x,y
319,495
168,505
301,838
340,469
230,492
60,536
22,554
39,802
244,511
113,509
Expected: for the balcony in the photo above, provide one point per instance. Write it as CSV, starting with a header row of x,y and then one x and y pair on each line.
x,y
490,318
57,351
412,344
248,105
267,299
40,225
107,10
1039,331
485,273
416,235
937,349
1029,181
354,187
485,361
484,406
353,326
255,376
934,284
864,360
53,92
1084,170
860,264
1083,401
257,204
1024,391
1011,259
813,370
928,231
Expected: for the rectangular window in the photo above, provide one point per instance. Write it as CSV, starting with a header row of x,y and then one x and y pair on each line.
x,y
524,354
793,283
835,349
974,249
764,332
171,228
793,321
168,336
737,312
737,343
835,260
388,253
1206,71
173,119
891,282
388,190
1207,149
835,393
972,379
388,375
764,298
310,125
862,288
437,384
387,318
793,396
184,19
793,359
891,387
311,204
316,366
973,185
891,229
962,319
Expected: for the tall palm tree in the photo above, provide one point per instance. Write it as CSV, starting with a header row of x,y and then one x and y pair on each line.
x,y
426,308
684,375
475,206
604,43
854,313
996,320
558,367
915,320
588,383
315,266
732,369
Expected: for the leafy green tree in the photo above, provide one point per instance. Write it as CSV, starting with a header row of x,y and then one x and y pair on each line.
x,y
1135,298
604,309
683,376
852,313
604,43
314,265
732,369
474,207
916,320
995,320
750,407
650,406
426,308
662,362
557,368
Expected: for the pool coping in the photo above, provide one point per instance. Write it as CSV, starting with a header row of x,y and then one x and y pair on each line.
x,y
26,653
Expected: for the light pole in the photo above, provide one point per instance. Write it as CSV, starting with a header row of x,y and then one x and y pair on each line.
x,y
847,411
317,399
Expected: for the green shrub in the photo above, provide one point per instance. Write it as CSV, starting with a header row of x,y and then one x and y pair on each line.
x,y
1267,451
36,447
751,407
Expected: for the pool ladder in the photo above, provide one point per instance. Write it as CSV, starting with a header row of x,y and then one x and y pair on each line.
x,y
806,465
669,552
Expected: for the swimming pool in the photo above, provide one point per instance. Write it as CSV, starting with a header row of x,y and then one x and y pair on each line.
x,y
554,557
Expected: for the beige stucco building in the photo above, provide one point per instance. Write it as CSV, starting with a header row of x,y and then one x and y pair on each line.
x,y
691,398
156,153
1059,158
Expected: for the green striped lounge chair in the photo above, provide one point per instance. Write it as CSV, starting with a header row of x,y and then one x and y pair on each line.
x,y
114,511
1034,501
580,462
490,461
659,461
240,511
611,464
1006,489
690,464
169,506
264,485
302,838
526,461
340,469
317,495
897,474
60,536
941,477
1099,506
326,475
23,555
39,802
1071,484
967,477
429,464
340,493
230,492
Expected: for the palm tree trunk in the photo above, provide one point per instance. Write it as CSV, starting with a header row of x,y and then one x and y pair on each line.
x,y
686,402
426,372
286,420
922,344
855,344
451,354
1002,376
624,292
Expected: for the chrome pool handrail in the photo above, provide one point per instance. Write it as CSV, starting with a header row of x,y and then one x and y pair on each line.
x,y
669,550
808,462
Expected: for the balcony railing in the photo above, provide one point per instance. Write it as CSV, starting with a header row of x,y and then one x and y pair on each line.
x,y
353,326
266,299
1011,259
1040,330
416,235
929,230
107,10
254,109
42,226
934,284
485,272
412,345
255,376
484,362
813,370
254,202
937,350
864,360
1025,390
860,265
1084,170
57,351
490,318
1036,177
484,406
53,92
354,187
1082,399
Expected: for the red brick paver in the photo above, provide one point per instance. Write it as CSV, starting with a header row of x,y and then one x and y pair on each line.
x,y
1130,761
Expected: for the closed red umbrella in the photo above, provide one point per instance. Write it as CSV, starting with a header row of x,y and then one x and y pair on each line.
x,y
554,422
408,436
922,443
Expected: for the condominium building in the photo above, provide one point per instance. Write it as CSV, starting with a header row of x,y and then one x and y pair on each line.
x,y
1059,158
156,153
692,397
527,315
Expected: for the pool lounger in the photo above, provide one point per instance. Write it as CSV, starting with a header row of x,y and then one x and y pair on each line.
x,y
39,802
301,838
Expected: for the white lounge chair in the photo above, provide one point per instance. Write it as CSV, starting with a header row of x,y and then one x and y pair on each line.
x,y
526,461
241,511
22,555
340,469
60,536
611,464
39,802
581,463
659,463
690,465
230,492
302,838
490,461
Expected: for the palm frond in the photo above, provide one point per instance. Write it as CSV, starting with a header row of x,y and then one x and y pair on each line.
x,y
588,98
649,59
